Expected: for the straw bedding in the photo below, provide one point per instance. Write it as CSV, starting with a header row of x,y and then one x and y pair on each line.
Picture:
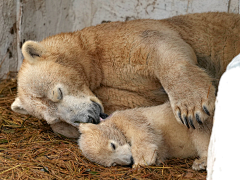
x,y
30,150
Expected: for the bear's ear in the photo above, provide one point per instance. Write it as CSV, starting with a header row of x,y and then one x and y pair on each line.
x,y
86,127
17,107
32,51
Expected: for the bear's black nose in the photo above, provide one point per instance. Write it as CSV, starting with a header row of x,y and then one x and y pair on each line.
x,y
103,115
93,120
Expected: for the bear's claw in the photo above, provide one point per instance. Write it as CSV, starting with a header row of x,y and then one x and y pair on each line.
x,y
191,123
206,110
198,119
188,119
180,117
186,122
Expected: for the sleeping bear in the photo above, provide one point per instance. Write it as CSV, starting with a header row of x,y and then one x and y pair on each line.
x,y
75,77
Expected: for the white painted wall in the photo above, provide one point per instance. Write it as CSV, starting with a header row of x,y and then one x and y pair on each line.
x,y
22,20
224,147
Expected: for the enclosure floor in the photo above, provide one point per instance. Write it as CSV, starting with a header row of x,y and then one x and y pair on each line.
x,y
30,150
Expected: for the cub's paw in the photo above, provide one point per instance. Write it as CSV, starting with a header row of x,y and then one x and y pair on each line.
x,y
144,156
199,164
193,106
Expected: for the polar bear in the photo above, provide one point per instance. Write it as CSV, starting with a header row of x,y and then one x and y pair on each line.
x,y
75,77
145,136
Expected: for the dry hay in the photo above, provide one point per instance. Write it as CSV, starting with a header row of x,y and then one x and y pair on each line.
x,y
30,150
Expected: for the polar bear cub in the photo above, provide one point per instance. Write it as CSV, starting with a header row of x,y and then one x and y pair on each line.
x,y
144,136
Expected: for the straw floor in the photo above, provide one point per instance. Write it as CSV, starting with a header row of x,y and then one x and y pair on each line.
x,y
30,150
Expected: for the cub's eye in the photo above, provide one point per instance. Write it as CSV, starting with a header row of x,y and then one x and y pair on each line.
x,y
113,146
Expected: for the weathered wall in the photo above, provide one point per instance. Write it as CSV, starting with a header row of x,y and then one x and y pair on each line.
x,y
22,20
8,38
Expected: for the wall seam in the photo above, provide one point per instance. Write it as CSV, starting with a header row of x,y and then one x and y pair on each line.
x,y
19,33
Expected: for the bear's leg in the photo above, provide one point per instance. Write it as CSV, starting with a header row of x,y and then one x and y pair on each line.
x,y
116,99
201,138
190,89
65,129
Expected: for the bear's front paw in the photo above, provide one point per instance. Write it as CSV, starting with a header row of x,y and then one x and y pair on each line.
x,y
200,164
193,106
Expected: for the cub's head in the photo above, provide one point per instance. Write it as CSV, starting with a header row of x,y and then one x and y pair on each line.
x,y
104,145
55,83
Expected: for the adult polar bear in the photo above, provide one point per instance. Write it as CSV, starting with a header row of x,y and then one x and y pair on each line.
x,y
68,78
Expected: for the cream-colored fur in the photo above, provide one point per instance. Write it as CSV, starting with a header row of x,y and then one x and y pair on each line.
x,y
149,135
120,65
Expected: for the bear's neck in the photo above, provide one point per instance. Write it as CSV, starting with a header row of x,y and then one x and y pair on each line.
x,y
74,51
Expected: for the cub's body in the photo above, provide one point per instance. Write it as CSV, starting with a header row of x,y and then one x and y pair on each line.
x,y
153,133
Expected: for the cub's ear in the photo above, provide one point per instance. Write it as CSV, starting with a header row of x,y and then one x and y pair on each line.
x,y
86,127
32,51
17,107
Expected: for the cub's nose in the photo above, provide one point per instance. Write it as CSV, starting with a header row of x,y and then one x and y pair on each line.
x,y
132,161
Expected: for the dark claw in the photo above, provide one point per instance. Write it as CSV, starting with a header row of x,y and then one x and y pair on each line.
x,y
186,122
206,110
180,117
198,119
191,123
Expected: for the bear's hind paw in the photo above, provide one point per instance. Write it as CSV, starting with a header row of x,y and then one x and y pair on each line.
x,y
199,164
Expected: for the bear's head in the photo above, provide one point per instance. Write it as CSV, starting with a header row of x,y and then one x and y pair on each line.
x,y
53,84
104,145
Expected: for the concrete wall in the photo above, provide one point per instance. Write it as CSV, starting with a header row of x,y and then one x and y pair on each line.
x,y
8,37
22,20
224,148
